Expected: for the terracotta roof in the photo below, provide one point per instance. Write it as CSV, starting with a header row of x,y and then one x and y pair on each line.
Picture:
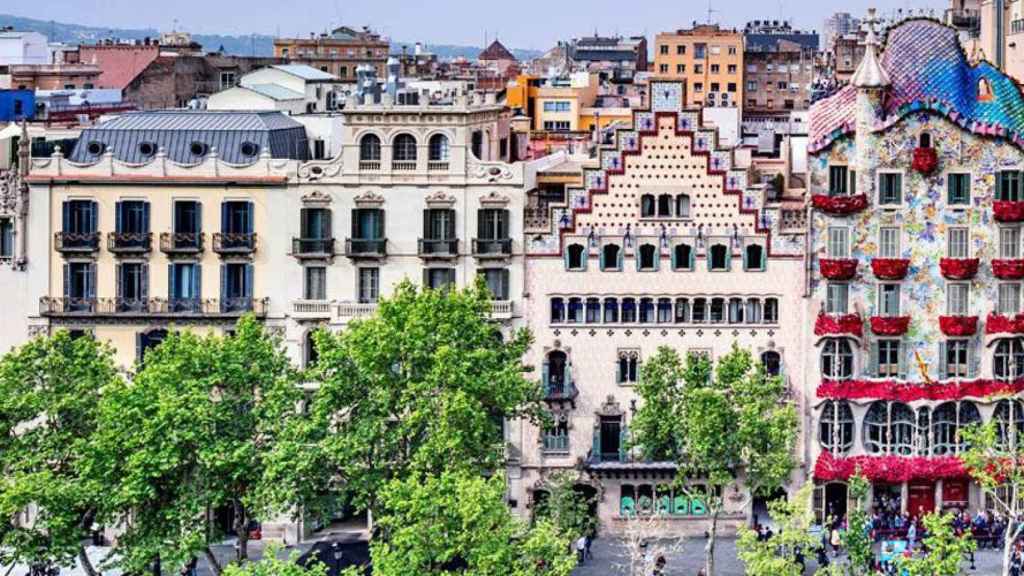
x,y
119,64
496,51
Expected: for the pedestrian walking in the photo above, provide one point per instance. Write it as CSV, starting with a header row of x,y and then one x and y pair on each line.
x,y
590,540
911,535
581,548
836,541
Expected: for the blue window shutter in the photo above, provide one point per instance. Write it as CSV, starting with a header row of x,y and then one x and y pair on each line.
x,y
197,281
172,293
249,268
942,360
600,260
145,216
224,217
199,217
693,257
636,256
622,249
118,281
93,216
728,256
90,291
746,261
567,373
585,256
565,257
66,216
707,253
67,278
249,212
657,258
144,289
118,217
223,282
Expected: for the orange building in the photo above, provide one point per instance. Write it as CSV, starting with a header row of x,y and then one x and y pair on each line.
x,y
338,53
708,59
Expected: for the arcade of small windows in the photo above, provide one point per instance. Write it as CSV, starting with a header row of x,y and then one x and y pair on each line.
x,y
887,358
894,428
664,310
661,499
665,206
648,256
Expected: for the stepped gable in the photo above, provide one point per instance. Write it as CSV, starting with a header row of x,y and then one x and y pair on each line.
x,y
929,72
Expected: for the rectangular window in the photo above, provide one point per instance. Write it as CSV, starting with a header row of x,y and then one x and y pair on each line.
x,y
497,280
184,289
889,300
187,219
236,217
715,69
315,287
700,51
958,189
751,86
698,87
439,224
838,177
1009,242
680,68
957,299
889,242
367,224
1009,299
957,240
6,238
663,68
888,358
837,298
79,286
890,189
492,224
236,286
732,68
369,285
957,358
680,49
440,278
664,48
557,106
315,223
80,216
557,126
132,217
698,68
1008,186
132,285
838,242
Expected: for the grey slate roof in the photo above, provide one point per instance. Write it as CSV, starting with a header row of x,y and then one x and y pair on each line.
x,y
239,137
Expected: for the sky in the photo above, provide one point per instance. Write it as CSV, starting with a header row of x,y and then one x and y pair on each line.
x,y
531,24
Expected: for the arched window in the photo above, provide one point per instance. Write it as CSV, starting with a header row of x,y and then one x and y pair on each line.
x,y
772,362
575,311
903,429
771,310
627,501
719,257
700,310
647,206
753,257
683,206
664,310
576,255
648,257
610,257
628,310
837,359
717,315
875,429
682,257
835,428
1008,359
753,311
555,371
557,310
311,353
438,148
665,205
611,310
947,420
682,310
735,311
369,148
403,149
925,140
628,367
646,310
593,310
968,415
1010,424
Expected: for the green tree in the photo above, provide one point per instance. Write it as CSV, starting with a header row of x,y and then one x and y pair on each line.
x,y
941,551
995,460
420,387
857,538
189,436
272,565
458,522
565,508
778,556
735,421
50,389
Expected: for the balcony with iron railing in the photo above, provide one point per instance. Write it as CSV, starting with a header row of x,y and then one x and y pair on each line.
x,y
182,243
129,242
492,247
234,243
438,247
152,307
76,242
316,248
366,247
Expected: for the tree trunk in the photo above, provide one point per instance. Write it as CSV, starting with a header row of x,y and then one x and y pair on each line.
x,y
212,560
242,530
709,548
83,559
157,568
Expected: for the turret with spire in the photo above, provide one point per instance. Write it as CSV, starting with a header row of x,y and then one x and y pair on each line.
x,y
871,81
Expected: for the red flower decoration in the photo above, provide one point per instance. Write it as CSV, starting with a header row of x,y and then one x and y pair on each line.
x,y
959,268
830,324
840,205
925,160
888,469
1008,269
890,326
999,324
1008,211
890,268
912,391
839,269
958,325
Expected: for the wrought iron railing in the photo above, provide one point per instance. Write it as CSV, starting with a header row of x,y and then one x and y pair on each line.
x,y
129,242
60,306
182,242
439,247
234,242
77,241
366,247
312,247
492,246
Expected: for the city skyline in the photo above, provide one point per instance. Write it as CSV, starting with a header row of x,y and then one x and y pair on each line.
x,y
454,22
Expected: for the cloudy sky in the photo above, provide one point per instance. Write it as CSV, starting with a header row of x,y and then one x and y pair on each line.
x,y
536,24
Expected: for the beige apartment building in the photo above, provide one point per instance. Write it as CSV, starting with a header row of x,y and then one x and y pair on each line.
x,y
708,59
338,53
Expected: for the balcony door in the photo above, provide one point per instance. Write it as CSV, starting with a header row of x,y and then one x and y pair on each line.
x,y
316,223
492,224
236,286
185,286
132,217
439,224
236,217
187,217
611,437
132,286
367,224
79,216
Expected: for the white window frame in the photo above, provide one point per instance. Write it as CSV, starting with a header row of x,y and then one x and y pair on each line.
x,y
889,247
1008,301
954,243
837,293
838,242
903,196
889,296
958,299
1009,242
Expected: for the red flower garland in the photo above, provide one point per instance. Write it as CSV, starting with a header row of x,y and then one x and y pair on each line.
x,y
890,325
925,160
829,324
958,325
890,268
888,469
911,391
838,268
840,205
959,268
1008,211
999,324
1008,269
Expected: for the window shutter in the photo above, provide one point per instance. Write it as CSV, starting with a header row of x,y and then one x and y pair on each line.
x,y
119,281
426,277
249,270
90,290
620,373
853,182
224,218
144,288
67,279
328,226
901,360
600,259
304,231
873,359
249,215
675,260
145,217
481,224
379,225
657,258
746,260
637,255
693,257
223,283
728,256
504,218
427,232
356,212
118,217
198,222
93,216
567,374
619,260
172,292
973,361
450,231
197,281
942,361
505,284
66,216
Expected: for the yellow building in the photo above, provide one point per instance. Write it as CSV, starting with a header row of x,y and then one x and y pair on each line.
x,y
708,59
556,104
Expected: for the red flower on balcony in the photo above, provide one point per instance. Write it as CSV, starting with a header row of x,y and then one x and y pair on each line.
x,y
959,268
900,391
890,268
827,324
890,325
999,324
1008,269
958,325
1008,211
888,469
926,160
839,205
839,268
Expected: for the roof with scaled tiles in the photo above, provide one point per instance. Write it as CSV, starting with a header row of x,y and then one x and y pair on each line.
x,y
929,71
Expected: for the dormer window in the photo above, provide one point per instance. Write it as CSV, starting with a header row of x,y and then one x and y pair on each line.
x,y
985,90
